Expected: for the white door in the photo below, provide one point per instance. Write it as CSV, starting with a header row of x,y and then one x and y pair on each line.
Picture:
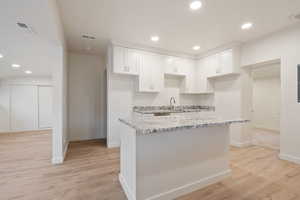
x,y
45,106
23,107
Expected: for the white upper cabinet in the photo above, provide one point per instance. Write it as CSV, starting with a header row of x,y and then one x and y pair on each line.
x,y
189,85
202,71
196,75
222,64
126,61
151,78
225,62
174,66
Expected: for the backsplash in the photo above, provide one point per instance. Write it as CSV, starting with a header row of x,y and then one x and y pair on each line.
x,y
184,108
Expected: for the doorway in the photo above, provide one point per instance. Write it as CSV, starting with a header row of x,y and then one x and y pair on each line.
x,y
266,95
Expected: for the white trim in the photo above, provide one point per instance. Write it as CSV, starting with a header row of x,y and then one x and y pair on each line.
x,y
60,159
240,144
263,63
289,158
24,131
113,144
128,192
66,149
190,187
57,160
152,49
182,190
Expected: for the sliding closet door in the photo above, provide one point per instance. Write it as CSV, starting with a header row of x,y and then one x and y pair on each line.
x,y
23,107
45,106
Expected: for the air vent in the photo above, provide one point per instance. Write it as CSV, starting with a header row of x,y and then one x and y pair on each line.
x,y
297,16
88,37
22,25
26,27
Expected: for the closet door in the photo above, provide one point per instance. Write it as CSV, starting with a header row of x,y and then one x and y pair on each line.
x,y
45,106
23,107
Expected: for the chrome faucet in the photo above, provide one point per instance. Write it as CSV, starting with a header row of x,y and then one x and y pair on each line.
x,y
172,103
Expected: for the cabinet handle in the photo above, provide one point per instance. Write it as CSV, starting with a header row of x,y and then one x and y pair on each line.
x,y
126,68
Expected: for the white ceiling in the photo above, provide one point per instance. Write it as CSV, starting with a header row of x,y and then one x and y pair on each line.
x,y
32,51
216,24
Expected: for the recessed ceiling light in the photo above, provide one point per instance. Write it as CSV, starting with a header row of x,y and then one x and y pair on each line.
x,y
28,72
247,26
16,65
196,48
1,56
195,5
154,38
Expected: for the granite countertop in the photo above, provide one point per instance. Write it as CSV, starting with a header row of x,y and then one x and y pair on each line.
x,y
150,125
169,109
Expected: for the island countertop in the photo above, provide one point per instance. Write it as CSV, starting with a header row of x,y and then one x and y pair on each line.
x,y
154,124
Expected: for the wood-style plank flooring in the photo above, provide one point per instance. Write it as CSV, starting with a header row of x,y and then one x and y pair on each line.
x,y
90,172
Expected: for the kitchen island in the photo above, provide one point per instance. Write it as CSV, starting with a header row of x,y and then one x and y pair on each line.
x,y
169,156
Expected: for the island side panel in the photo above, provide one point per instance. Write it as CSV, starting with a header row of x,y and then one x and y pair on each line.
x,y
171,164
127,176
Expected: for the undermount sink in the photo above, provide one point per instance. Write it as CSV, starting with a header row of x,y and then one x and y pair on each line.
x,y
162,114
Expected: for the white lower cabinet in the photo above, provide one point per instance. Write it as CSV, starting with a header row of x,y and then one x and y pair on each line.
x,y
151,77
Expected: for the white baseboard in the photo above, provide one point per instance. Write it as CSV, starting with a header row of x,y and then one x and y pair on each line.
x,y
113,144
240,144
128,192
180,191
24,131
60,159
191,187
66,149
289,158
57,160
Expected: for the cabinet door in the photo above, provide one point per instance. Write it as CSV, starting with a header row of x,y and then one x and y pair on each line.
x,y
118,59
157,73
132,61
189,83
173,65
180,65
203,84
125,61
151,73
226,62
211,65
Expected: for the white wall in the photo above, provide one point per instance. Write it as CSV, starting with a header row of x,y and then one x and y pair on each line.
x,y
19,103
266,101
4,108
228,104
283,45
86,97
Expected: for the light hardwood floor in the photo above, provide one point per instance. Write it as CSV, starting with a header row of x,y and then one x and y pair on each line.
x,y
90,172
